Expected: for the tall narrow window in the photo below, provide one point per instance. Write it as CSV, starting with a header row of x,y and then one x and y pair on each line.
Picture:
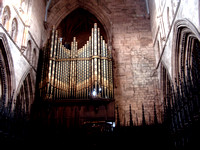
x,y
6,17
14,29
24,97
6,79
28,50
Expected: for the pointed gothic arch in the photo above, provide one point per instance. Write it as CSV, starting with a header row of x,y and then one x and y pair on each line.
x,y
14,29
7,72
6,17
29,50
79,24
24,94
186,46
55,18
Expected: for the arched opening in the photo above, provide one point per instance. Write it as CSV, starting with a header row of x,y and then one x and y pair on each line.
x,y
5,77
3,85
183,100
24,99
6,18
79,24
14,29
187,52
29,51
58,12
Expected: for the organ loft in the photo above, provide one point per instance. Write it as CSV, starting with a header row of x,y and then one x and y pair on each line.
x,y
100,74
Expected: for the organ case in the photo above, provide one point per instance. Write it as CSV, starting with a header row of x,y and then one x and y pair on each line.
x,y
84,73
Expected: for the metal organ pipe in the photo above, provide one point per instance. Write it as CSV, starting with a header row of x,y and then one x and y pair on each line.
x,y
84,73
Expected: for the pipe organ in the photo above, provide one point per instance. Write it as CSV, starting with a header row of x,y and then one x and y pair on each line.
x,y
84,73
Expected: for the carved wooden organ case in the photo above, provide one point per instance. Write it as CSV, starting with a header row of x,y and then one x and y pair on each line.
x,y
84,73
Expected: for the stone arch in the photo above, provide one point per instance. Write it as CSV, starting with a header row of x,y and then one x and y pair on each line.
x,y
14,29
6,17
29,50
24,94
96,10
79,24
7,72
185,33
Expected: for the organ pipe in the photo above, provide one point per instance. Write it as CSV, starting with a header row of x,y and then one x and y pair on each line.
x,y
77,73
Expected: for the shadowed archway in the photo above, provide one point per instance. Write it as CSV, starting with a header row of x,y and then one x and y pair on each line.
x,y
61,9
79,24
7,72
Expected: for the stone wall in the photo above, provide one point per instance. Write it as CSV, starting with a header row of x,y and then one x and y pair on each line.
x,y
134,61
37,21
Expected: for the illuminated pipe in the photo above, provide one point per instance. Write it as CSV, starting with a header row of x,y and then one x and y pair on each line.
x,y
92,60
50,64
61,72
87,70
99,62
107,85
95,58
59,75
102,88
53,66
90,66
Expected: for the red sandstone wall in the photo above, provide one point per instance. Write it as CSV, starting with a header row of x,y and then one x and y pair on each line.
x,y
134,60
